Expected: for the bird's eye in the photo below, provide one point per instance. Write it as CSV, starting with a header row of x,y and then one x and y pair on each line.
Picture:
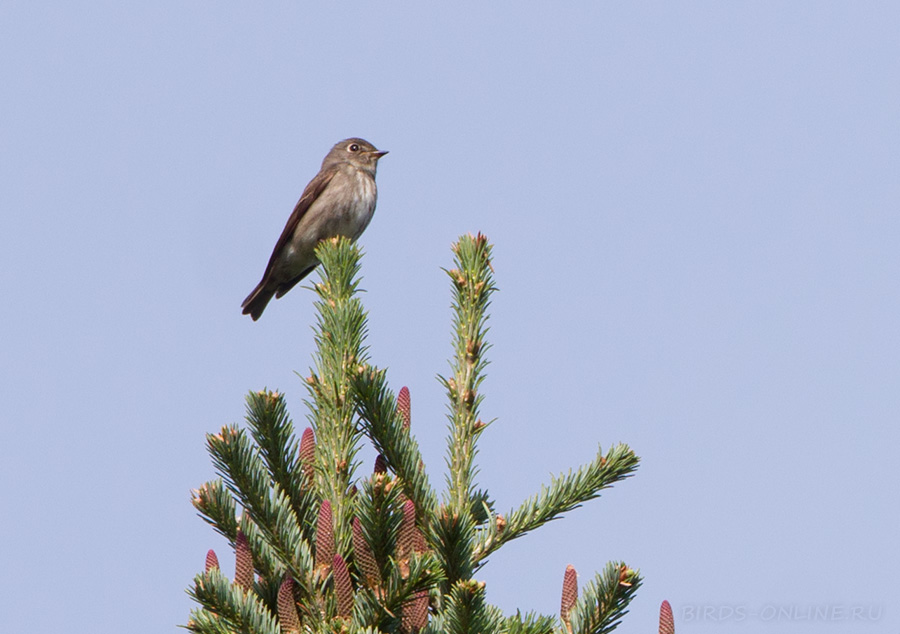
x,y
353,147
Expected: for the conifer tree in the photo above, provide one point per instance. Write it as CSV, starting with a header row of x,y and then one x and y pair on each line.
x,y
321,547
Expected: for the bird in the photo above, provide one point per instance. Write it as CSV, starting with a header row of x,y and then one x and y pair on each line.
x,y
338,201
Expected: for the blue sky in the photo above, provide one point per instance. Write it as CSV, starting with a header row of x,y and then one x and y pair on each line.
x,y
696,213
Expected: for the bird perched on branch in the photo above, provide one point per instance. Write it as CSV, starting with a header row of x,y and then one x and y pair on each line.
x,y
339,201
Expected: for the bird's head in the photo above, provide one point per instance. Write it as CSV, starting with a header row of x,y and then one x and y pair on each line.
x,y
358,152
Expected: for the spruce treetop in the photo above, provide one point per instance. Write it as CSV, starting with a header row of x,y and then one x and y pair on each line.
x,y
321,546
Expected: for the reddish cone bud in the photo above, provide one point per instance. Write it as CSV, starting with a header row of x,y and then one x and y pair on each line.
x,y
365,558
410,538
324,535
403,406
243,565
211,560
343,588
308,453
666,621
287,607
569,595
414,613
380,464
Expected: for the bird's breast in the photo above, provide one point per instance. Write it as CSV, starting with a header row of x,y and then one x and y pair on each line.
x,y
344,208
356,205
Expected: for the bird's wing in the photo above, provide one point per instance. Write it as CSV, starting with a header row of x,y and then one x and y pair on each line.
x,y
313,190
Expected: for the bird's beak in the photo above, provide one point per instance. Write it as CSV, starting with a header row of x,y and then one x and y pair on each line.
x,y
378,153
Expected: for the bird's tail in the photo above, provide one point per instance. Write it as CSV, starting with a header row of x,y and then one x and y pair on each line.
x,y
257,301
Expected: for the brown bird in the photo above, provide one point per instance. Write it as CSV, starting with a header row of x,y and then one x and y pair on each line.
x,y
339,201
